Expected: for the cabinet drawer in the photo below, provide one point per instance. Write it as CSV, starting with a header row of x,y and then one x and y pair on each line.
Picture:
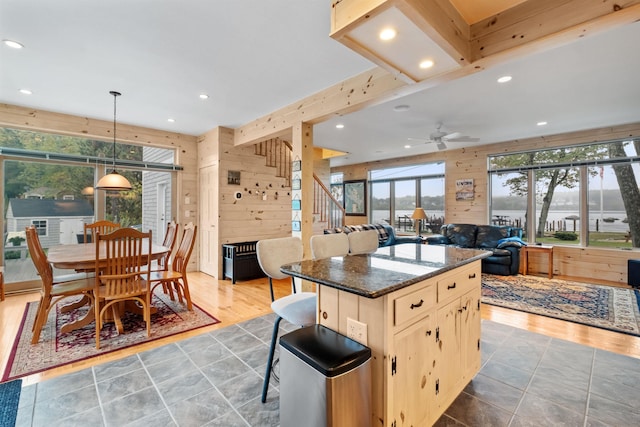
x,y
414,305
455,285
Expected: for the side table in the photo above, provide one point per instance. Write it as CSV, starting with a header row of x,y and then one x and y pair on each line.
x,y
526,250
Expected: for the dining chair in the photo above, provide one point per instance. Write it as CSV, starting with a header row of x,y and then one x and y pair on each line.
x,y
102,227
122,274
329,245
363,242
53,289
169,241
176,277
297,308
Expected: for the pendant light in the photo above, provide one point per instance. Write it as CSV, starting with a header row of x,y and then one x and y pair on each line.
x,y
113,181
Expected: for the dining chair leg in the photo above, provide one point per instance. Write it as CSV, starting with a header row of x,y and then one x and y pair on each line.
x,y
35,321
41,320
187,295
272,349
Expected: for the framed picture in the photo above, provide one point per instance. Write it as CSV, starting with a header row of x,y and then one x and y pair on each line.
x,y
296,184
464,189
295,226
233,177
296,205
296,165
355,197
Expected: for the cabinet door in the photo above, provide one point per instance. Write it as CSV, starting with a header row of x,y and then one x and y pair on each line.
x,y
470,333
412,382
447,360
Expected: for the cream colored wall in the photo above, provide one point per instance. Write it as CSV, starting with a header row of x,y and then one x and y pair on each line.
x,y
580,263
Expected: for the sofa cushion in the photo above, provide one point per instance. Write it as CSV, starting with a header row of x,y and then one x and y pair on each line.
x,y
463,235
488,236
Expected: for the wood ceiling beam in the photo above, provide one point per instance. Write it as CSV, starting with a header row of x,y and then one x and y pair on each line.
x,y
549,23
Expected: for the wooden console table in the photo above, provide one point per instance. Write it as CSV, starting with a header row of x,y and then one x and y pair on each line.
x,y
526,250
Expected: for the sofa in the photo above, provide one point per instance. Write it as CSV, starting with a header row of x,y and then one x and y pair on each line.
x,y
503,241
386,233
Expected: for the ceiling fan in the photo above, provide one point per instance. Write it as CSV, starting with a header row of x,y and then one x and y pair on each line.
x,y
440,138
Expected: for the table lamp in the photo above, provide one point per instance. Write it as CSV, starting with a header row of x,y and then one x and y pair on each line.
x,y
418,215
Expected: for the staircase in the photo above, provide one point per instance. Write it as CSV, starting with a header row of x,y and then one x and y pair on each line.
x,y
327,211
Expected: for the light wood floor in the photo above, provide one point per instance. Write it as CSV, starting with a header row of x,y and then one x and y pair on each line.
x,y
248,299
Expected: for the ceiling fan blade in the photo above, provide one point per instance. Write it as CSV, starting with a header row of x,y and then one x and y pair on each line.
x,y
452,135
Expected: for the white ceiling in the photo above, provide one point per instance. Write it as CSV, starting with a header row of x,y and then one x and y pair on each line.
x,y
255,56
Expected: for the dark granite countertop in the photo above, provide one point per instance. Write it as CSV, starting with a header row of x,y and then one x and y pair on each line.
x,y
387,270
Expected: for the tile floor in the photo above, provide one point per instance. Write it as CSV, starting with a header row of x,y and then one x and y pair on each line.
x,y
215,379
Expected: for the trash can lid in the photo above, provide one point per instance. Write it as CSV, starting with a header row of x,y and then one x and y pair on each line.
x,y
326,350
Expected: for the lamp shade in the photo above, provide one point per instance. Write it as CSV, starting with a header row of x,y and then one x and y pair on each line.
x,y
113,182
418,213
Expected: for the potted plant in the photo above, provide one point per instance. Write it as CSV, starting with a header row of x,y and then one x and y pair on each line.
x,y
17,240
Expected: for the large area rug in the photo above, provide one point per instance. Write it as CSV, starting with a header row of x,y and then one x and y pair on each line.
x,y
55,349
606,307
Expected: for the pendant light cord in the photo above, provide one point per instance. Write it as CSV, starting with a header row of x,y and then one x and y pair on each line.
x,y
115,95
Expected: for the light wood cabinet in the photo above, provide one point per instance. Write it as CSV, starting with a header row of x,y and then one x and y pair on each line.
x,y
424,340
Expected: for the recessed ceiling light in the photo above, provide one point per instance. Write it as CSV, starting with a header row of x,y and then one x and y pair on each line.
x,y
26,92
204,96
402,107
388,34
170,120
504,79
541,123
339,126
13,44
427,63
407,146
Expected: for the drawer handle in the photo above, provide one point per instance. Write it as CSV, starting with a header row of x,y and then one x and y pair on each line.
x,y
452,286
418,305
472,276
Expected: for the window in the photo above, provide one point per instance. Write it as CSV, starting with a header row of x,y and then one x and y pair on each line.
x,y
396,192
53,190
41,226
578,195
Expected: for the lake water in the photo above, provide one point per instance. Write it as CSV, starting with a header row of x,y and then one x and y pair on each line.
x,y
615,227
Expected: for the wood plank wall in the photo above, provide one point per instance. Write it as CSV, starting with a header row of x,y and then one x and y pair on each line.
x,y
579,263
251,217
84,127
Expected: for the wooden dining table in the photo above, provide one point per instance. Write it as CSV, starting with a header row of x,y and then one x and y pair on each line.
x,y
82,257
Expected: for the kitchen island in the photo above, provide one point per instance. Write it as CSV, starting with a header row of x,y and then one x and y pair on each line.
x,y
420,306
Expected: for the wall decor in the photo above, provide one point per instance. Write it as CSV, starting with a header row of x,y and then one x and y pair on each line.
x,y
296,166
464,189
296,184
295,226
355,197
296,205
233,177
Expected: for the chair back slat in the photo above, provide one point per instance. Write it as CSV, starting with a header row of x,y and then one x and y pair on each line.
x,y
102,227
120,274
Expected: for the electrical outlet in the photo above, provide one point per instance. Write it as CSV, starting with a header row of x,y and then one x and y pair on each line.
x,y
357,331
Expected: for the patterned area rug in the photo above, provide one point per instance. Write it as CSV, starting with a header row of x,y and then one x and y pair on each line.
x,y
606,307
55,349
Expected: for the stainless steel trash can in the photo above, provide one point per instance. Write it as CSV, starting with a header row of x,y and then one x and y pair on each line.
x,y
325,379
